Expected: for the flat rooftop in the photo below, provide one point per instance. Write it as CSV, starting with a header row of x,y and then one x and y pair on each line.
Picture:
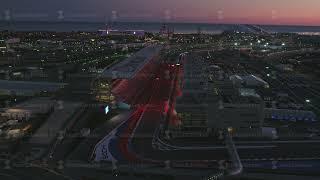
x,y
129,67
7,85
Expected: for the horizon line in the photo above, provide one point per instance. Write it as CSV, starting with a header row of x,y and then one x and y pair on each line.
x,y
156,22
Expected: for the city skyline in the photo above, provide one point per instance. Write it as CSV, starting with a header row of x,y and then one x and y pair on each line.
x,y
284,12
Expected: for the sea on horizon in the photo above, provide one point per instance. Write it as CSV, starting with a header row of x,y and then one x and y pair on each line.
x,y
153,27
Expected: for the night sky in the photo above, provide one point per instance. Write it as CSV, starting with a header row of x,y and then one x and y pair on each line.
x,y
302,12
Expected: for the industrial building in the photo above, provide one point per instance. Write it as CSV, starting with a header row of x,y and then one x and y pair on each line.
x,y
290,115
235,115
248,81
28,88
235,107
213,101
28,109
